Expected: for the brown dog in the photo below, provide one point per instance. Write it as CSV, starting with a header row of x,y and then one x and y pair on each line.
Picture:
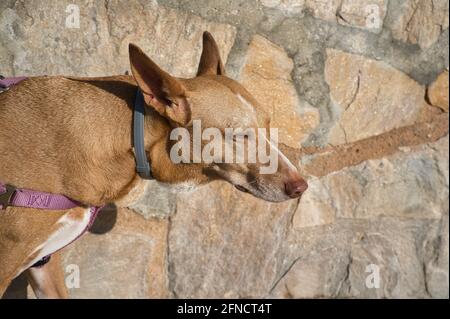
x,y
73,136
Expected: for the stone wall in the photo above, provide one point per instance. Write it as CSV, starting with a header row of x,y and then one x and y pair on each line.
x,y
359,90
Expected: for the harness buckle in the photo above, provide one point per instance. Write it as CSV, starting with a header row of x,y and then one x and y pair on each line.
x,y
3,89
6,196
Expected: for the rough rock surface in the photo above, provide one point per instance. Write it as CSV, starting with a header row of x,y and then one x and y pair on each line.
x,y
379,229
288,7
158,201
438,91
132,253
370,97
346,253
267,75
363,14
36,41
377,197
234,243
421,22
401,185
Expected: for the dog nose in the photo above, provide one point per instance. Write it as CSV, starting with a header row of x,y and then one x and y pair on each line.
x,y
295,188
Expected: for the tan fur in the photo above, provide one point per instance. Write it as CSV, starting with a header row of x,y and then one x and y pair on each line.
x,y
48,280
73,136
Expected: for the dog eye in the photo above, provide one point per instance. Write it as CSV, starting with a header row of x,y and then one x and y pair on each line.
x,y
171,103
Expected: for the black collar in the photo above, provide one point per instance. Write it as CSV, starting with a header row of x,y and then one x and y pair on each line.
x,y
142,164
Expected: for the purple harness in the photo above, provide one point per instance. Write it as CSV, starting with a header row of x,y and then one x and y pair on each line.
x,y
12,196
5,84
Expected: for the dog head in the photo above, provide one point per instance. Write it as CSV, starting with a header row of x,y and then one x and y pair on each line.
x,y
217,129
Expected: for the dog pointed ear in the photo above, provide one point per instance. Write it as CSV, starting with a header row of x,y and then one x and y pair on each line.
x,y
210,61
163,92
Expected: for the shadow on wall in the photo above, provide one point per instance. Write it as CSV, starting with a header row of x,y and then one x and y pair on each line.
x,y
18,289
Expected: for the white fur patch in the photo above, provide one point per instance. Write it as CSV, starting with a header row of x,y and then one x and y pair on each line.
x,y
69,229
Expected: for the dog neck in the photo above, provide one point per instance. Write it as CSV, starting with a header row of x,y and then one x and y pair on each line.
x,y
156,137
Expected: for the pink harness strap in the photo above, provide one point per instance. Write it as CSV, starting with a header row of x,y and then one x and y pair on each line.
x,y
11,196
6,83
